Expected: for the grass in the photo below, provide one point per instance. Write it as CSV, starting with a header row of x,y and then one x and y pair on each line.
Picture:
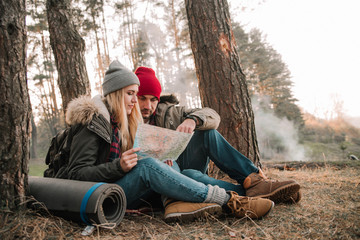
x,y
317,151
37,169
329,209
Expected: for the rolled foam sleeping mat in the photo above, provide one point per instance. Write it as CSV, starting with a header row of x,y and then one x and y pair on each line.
x,y
90,202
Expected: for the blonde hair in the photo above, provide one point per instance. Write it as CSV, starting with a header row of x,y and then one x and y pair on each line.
x,y
127,124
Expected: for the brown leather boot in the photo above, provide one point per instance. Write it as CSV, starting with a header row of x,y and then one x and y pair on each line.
x,y
188,211
277,191
254,208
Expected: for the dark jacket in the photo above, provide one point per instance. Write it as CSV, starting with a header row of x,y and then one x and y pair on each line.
x,y
169,115
91,144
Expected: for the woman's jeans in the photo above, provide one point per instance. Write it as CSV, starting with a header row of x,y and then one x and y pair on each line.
x,y
151,175
211,144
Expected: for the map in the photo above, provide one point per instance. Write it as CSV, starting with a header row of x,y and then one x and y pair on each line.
x,y
160,143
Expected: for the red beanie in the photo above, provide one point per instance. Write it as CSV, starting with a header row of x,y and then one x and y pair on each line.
x,y
149,84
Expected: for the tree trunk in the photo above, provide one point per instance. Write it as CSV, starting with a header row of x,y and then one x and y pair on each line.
x,y
15,109
105,38
222,83
68,48
97,40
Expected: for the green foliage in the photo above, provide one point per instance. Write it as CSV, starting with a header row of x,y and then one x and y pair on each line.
x,y
343,146
267,75
330,151
333,138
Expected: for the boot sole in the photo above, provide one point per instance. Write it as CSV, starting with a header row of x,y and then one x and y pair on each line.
x,y
189,216
294,200
282,194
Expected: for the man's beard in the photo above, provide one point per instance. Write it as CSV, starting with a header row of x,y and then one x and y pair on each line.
x,y
147,114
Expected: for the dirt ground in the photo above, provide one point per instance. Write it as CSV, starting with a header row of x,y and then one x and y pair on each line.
x,y
329,209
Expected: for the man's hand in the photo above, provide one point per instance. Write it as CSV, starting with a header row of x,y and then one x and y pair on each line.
x,y
129,159
187,126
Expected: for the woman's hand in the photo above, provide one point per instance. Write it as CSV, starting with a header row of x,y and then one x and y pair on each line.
x,y
169,162
129,159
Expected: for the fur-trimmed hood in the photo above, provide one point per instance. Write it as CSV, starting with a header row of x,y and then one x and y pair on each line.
x,y
172,99
82,110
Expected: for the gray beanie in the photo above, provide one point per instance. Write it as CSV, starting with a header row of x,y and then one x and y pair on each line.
x,y
118,77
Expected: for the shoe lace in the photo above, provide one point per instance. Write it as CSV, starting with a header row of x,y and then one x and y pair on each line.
x,y
238,204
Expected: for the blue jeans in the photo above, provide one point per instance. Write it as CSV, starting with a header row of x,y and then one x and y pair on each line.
x,y
204,178
210,144
151,175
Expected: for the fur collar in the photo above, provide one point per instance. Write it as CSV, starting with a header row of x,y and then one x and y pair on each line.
x,y
169,99
82,109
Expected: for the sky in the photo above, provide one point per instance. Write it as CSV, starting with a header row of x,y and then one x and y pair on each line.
x,y
319,40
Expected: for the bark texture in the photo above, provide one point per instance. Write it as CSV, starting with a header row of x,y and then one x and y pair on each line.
x,y
69,49
222,84
15,109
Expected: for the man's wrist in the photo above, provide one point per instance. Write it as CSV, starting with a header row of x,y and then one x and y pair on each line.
x,y
193,118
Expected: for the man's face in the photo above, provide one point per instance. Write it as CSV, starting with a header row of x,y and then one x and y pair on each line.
x,y
148,104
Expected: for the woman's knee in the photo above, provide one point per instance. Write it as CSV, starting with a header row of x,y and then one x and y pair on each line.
x,y
149,163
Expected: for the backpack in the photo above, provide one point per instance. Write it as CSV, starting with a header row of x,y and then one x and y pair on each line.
x,y
57,157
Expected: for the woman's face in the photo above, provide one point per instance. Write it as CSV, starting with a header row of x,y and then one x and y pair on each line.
x,y
130,98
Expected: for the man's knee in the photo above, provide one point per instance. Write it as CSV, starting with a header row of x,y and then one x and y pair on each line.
x,y
192,173
204,132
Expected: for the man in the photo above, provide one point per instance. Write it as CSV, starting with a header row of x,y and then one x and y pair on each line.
x,y
207,143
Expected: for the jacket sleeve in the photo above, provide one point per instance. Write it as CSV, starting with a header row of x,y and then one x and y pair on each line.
x,y
86,162
210,118
171,116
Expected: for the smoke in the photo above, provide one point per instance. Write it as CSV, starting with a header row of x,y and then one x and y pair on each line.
x,y
354,121
277,138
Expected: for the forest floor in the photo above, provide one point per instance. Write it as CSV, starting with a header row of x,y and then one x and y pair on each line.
x,y
329,209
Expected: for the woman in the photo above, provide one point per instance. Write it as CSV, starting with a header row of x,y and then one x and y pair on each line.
x,y
102,151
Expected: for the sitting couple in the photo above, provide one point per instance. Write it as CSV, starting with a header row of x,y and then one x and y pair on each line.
x,y
102,151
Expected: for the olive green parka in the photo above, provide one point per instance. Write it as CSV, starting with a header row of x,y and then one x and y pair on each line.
x,y
91,144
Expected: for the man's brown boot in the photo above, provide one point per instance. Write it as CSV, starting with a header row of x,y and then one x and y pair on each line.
x,y
254,208
188,211
257,186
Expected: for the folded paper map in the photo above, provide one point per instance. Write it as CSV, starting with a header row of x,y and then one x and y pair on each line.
x,y
160,143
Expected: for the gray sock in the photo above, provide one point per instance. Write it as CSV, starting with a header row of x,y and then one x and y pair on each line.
x,y
217,195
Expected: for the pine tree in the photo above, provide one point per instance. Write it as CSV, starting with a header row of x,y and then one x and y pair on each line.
x,y
268,77
69,49
222,83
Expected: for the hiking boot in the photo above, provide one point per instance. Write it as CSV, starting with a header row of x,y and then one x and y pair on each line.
x,y
188,211
295,198
257,186
254,208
